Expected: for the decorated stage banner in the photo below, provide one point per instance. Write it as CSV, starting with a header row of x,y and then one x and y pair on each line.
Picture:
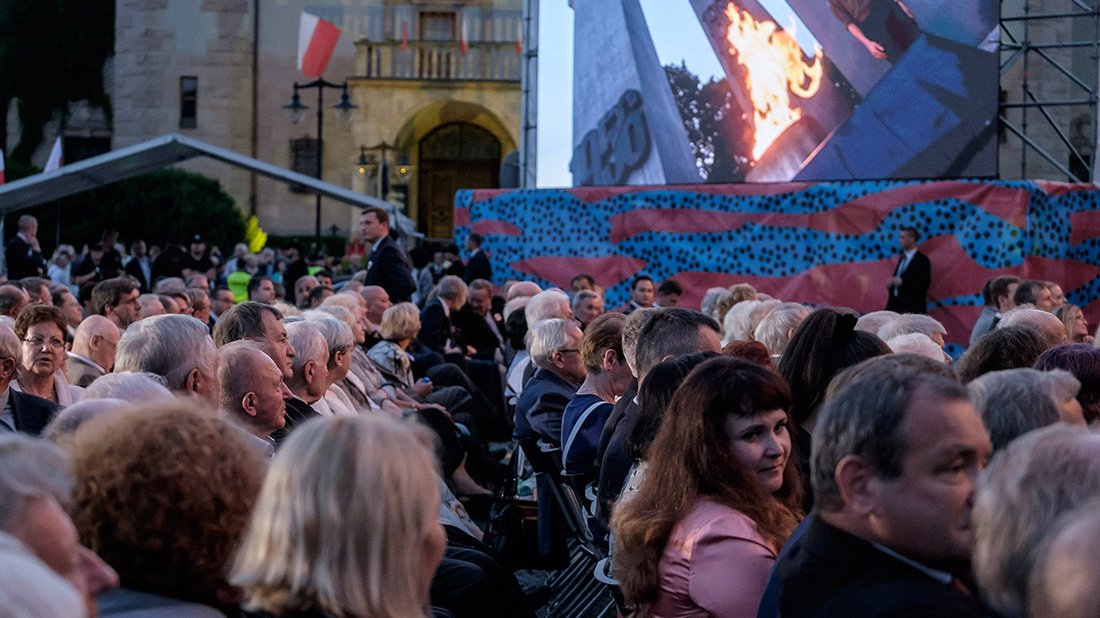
x,y
818,244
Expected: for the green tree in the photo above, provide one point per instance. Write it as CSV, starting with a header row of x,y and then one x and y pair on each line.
x,y
169,205
52,53
719,139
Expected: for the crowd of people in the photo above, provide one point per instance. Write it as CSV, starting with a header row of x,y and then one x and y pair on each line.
x,y
180,443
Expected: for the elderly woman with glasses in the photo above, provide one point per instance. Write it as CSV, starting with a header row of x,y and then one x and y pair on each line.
x,y
41,328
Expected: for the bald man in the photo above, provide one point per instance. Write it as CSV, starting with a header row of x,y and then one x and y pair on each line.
x,y
253,393
93,353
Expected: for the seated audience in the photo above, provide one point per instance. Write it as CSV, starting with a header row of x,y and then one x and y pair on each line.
x,y
913,323
1028,486
1048,327
587,306
163,494
35,487
1015,401
555,350
1083,361
1063,581
177,348
22,412
897,453
717,500
1003,348
1073,319
300,556
607,378
41,328
777,328
253,394
258,322
93,352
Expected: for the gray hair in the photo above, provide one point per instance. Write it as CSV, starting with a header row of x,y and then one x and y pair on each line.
x,y
337,334
911,323
670,331
547,337
516,304
309,344
917,343
451,287
69,419
1063,581
170,346
546,305
735,324
872,322
1013,402
866,416
141,387
709,305
32,468
775,330
635,321
1043,323
9,344
582,296
1026,488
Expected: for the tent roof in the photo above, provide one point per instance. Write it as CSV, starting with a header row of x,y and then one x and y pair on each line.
x,y
157,153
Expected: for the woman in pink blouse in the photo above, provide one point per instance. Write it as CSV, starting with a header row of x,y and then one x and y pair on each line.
x,y
718,500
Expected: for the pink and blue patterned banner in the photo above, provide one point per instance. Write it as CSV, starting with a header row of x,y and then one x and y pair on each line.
x,y
820,244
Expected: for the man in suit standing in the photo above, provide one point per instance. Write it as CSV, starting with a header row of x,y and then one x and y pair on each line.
x,y
908,288
140,267
477,267
897,454
389,267
19,411
23,253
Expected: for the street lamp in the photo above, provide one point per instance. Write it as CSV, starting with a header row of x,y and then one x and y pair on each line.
x,y
297,111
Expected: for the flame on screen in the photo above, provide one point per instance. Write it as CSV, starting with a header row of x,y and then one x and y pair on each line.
x,y
774,70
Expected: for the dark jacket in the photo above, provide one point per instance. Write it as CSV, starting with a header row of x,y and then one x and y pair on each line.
x,y
541,405
478,267
31,413
477,333
22,261
912,294
297,412
828,572
435,327
390,268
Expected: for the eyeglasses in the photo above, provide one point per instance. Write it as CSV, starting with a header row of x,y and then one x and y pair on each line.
x,y
38,342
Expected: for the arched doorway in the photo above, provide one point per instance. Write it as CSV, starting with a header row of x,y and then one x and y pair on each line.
x,y
452,157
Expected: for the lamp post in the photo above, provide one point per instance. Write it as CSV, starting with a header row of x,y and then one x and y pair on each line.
x,y
297,111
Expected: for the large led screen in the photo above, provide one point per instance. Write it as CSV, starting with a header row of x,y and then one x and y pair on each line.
x,y
720,91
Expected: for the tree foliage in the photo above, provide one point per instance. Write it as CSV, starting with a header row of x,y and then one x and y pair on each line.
x,y
719,136
52,53
169,205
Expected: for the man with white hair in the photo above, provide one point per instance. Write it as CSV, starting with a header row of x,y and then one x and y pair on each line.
x,y
19,411
177,348
554,345
309,375
776,329
1042,323
35,485
587,306
546,305
252,392
913,323
93,352
919,344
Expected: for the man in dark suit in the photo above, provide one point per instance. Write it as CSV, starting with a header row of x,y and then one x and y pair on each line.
x,y
477,267
389,267
897,453
140,267
19,411
23,253
309,376
907,291
482,329
436,328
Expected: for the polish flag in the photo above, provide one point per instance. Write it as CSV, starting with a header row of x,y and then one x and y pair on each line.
x,y
55,160
463,42
1,167
316,40
405,36
519,39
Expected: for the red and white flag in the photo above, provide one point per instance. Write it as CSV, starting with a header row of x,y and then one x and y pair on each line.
x,y
519,39
463,42
1,167
316,40
55,161
405,36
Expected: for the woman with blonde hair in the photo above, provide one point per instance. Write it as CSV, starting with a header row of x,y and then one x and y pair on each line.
x,y
1077,327
718,500
347,523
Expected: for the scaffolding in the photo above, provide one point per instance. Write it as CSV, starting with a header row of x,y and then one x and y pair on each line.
x,y
1050,66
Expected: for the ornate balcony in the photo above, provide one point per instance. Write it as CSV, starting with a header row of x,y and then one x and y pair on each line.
x,y
438,61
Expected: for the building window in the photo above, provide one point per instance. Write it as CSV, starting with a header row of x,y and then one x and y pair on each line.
x,y
303,159
189,101
437,26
